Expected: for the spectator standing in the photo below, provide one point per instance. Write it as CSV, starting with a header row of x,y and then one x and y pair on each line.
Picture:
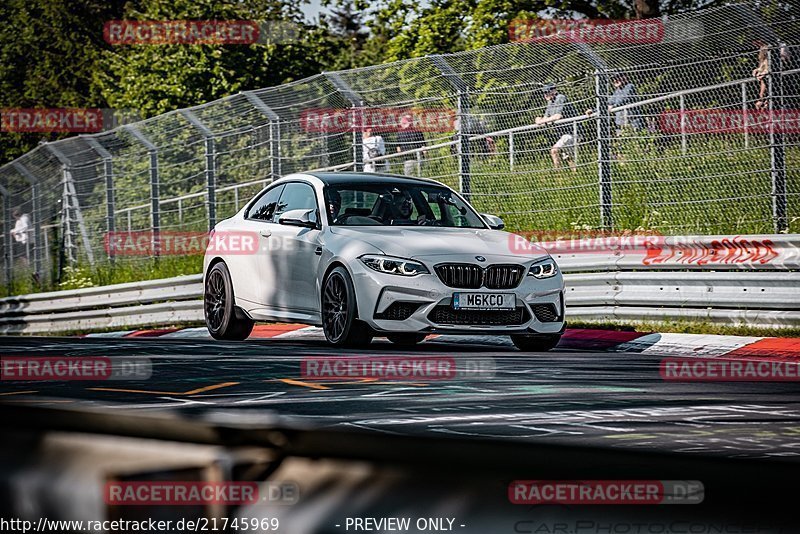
x,y
559,107
624,93
409,138
373,146
20,232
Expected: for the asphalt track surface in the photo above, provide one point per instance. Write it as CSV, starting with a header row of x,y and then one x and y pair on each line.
x,y
603,399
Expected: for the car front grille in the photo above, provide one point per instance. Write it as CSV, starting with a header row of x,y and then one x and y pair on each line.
x,y
471,276
546,313
444,314
398,311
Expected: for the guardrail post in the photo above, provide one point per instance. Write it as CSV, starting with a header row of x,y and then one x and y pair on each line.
x,y
70,197
108,174
603,151
274,133
35,216
356,104
211,175
464,116
777,147
155,200
8,250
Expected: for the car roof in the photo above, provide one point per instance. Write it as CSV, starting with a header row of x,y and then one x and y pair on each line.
x,y
333,178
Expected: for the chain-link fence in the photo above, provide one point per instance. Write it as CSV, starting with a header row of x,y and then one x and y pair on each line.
x,y
695,133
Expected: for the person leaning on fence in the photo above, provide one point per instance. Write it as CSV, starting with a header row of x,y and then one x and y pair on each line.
x,y
409,138
624,93
373,147
473,126
559,107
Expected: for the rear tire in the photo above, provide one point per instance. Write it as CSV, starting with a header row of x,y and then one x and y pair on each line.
x,y
340,312
219,308
406,340
535,342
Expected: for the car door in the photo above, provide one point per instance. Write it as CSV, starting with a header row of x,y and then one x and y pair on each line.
x,y
298,252
251,273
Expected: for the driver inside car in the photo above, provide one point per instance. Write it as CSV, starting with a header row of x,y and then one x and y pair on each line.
x,y
334,204
403,208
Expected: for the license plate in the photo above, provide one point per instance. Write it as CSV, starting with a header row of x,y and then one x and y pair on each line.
x,y
484,301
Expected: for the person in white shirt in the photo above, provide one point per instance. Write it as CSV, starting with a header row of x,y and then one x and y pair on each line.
x,y
20,233
373,147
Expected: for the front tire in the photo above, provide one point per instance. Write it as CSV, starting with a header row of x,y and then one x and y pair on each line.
x,y
219,309
339,312
535,343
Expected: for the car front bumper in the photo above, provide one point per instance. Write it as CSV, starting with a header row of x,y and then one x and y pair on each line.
x,y
425,305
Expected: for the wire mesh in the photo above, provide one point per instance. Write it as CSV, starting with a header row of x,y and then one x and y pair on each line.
x,y
637,146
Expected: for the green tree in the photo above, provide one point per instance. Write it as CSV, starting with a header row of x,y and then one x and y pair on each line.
x,y
155,79
49,51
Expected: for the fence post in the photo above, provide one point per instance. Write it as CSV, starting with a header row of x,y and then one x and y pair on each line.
x,y
682,100
155,199
70,196
9,242
464,117
356,104
108,174
745,126
35,216
603,151
511,150
274,133
211,171
776,141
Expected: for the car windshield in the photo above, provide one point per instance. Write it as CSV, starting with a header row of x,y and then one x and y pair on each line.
x,y
398,204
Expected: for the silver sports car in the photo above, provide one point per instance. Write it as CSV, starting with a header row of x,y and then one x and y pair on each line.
x,y
367,255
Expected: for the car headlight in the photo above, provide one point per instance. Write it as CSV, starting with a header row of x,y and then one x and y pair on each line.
x,y
543,269
391,265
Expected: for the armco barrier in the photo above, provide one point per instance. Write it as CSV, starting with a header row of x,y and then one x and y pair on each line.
x,y
154,302
741,280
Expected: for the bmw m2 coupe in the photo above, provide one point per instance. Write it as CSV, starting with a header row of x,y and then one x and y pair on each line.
x,y
366,255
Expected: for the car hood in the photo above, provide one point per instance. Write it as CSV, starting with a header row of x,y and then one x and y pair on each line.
x,y
412,242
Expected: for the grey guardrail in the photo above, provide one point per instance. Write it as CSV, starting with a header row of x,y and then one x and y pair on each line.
x,y
149,303
742,280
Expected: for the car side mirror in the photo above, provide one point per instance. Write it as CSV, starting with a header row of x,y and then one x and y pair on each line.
x,y
494,222
304,218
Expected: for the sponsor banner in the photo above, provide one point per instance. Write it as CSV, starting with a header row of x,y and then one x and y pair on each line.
x,y
146,243
700,251
395,368
720,370
595,31
729,121
605,492
64,120
199,32
651,249
582,242
384,120
74,368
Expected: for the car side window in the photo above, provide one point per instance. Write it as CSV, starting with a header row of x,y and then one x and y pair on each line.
x,y
296,196
265,207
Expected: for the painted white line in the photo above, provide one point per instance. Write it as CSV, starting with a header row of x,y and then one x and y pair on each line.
x,y
700,345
